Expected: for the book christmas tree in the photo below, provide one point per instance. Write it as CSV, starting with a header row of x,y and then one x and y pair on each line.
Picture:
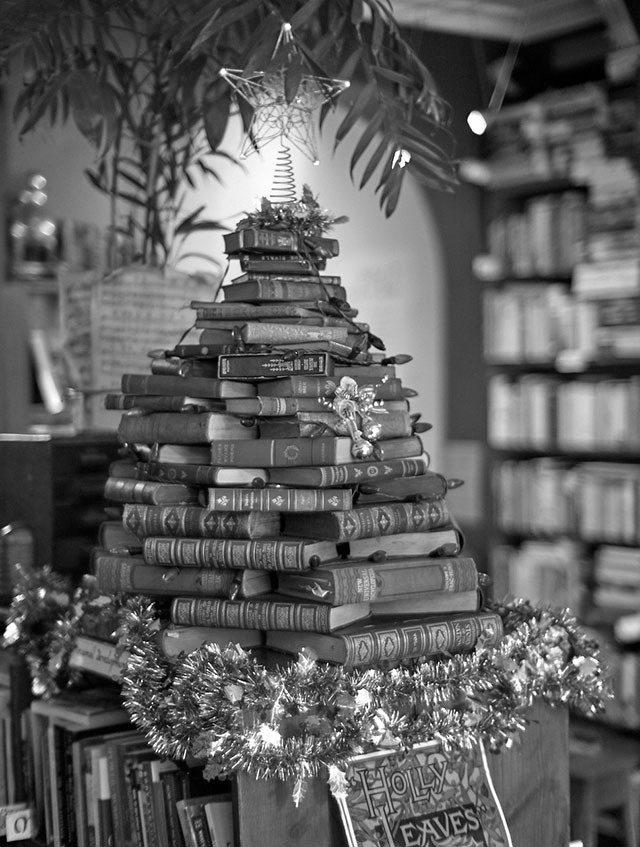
x,y
276,477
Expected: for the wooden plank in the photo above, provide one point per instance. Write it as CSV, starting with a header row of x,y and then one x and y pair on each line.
x,y
268,817
532,780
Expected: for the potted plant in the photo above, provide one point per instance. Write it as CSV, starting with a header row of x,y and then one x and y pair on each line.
x,y
141,81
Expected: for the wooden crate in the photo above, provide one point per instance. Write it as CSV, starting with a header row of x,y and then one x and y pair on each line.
x,y
531,779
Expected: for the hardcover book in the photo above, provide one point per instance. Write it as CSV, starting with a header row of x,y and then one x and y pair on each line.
x,y
183,427
280,263
426,796
148,491
448,541
369,521
257,366
161,403
427,486
266,613
131,575
274,289
278,241
210,310
386,580
348,473
143,520
274,276
295,452
317,386
195,386
382,641
312,424
199,474
283,406
261,332
262,554
176,640
279,499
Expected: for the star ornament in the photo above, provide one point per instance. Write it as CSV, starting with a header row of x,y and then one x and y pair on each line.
x,y
279,115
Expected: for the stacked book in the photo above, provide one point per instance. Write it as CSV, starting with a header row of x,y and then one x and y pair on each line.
x,y
276,492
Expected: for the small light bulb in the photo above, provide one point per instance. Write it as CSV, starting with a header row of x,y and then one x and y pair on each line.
x,y
477,122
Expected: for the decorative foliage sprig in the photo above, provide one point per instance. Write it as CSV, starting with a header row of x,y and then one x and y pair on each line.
x,y
305,216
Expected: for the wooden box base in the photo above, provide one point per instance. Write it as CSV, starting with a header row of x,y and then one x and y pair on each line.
x,y
531,780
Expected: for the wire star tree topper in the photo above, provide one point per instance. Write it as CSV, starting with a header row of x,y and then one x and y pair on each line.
x,y
284,99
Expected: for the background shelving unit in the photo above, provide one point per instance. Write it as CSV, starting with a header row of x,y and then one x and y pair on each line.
x,y
561,309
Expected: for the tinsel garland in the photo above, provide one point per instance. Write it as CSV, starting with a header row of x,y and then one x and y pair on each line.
x,y
291,722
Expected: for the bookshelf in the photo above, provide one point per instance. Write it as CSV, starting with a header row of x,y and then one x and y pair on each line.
x,y
561,329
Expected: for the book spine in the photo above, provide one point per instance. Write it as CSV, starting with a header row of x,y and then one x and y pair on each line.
x,y
279,499
183,521
274,333
280,241
251,614
281,263
194,386
350,472
319,281
274,452
119,574
147,492
423,638
183,474
251,366
227,553
105,823
172,788
266,288
370,521
317,386
163,427
141,778
368,582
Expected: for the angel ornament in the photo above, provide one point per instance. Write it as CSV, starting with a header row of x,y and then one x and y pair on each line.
x,y
355,406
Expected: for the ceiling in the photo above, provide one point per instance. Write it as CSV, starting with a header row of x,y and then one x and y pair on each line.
x,y
525,20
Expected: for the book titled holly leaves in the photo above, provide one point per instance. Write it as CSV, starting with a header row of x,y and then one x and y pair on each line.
x,y
424,796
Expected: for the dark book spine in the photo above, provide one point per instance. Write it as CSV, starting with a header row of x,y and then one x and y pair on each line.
x,y
280,499
163,427
278,241
370,581
185,521
276,290
281,263
255,366
274,452
251,614
173,789
228,553
392,643
148,492
370,521
176,472
116,574
353,472
324,279
317,386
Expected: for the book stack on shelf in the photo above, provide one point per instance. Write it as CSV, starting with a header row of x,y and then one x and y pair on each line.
x,y
276,492
562,346
97,780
